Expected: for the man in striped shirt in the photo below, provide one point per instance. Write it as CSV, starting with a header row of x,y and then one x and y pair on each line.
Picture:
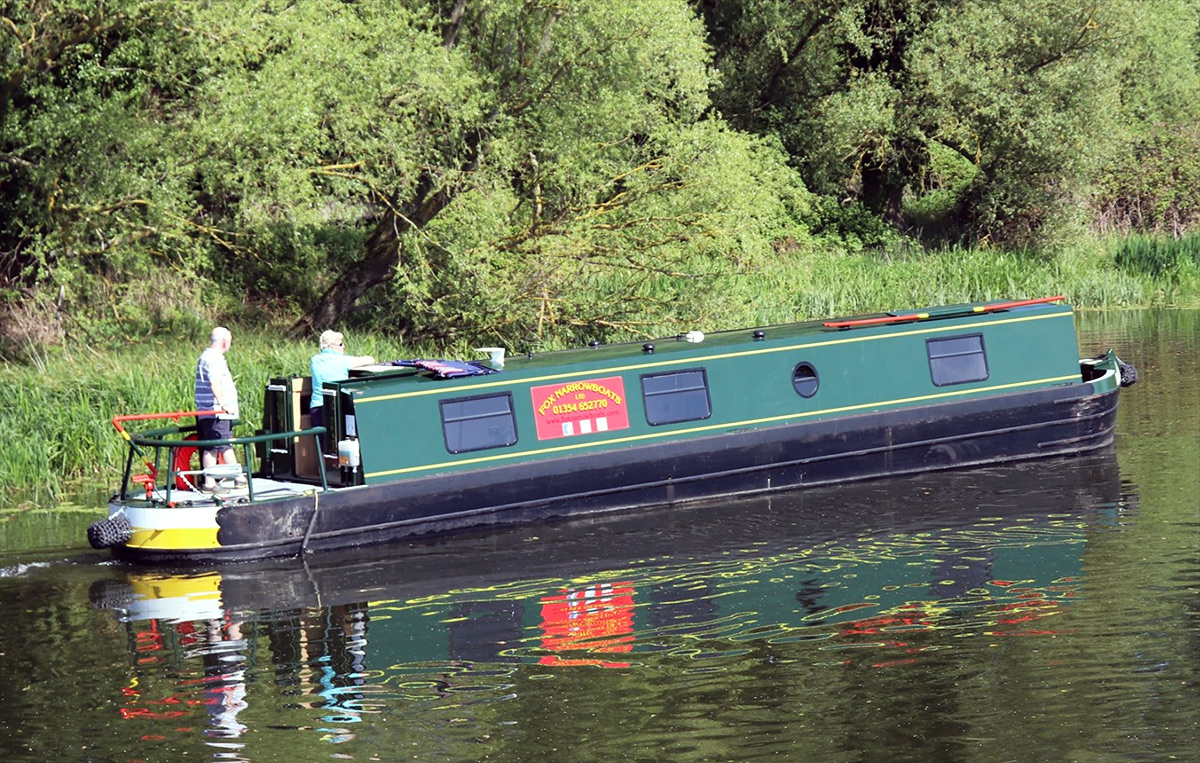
x,y
215,391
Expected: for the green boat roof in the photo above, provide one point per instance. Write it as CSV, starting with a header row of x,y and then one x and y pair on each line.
x,y
669,350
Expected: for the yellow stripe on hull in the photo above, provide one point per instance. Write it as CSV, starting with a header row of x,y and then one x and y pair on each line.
x,y
174,539
160,528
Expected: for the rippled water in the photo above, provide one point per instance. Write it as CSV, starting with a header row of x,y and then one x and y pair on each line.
x,y
1046,611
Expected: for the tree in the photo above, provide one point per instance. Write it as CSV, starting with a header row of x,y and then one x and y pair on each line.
x,y
541,119
1151,181
298,155
71,77
867,95
831,79
567,101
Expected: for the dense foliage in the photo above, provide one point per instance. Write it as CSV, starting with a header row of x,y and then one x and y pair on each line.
x,y
537,173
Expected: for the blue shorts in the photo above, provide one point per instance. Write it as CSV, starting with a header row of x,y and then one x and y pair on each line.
x,y
212,428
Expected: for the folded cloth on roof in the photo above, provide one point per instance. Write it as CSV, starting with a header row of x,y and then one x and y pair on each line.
x,y
446,369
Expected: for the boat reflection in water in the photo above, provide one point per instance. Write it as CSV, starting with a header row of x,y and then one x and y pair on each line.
x,y
862,572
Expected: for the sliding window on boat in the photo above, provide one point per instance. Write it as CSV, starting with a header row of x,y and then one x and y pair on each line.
x,y
957,359
674,397
478,423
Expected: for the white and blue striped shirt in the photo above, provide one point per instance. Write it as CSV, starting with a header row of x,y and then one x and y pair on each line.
x,y
212,371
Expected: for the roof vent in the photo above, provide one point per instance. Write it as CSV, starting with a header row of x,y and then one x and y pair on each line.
x,y
495,356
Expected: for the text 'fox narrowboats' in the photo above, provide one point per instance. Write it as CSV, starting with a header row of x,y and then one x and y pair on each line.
x,y
426,446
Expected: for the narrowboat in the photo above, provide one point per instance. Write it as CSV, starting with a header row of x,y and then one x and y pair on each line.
x,y
433,446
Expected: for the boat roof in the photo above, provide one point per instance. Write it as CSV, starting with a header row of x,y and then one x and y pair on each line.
x,y
668,351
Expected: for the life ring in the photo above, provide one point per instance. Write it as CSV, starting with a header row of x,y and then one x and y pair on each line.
x,y
183,463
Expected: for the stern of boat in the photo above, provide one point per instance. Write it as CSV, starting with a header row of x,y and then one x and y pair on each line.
x,y
148,527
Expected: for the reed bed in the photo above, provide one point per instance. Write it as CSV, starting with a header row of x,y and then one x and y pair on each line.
x,y
820,286
1157,256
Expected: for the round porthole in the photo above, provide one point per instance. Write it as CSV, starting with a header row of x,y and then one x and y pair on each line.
x,y
804,380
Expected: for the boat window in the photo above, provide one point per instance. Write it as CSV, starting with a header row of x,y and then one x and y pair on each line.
x,y
477,423
957,359
674,397
804,380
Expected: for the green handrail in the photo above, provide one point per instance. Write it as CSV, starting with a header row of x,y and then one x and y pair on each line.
x,y
155,438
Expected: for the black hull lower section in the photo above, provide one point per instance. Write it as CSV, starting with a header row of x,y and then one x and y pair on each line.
x,y
996,429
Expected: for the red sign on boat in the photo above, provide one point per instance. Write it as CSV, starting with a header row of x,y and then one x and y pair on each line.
x,y
580,407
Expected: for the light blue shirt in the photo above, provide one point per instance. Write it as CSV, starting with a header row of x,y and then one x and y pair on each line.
x,y
326,366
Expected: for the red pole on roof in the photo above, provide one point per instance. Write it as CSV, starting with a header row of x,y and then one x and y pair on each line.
x,y
921,316
873,321
1019,303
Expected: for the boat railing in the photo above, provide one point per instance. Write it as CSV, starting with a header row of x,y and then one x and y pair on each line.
x,y
180,440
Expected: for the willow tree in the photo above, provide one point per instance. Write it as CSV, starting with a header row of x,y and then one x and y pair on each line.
x,y
505,162
498,166
1152,182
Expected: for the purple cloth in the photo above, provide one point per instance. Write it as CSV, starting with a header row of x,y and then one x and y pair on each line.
x,y
446,369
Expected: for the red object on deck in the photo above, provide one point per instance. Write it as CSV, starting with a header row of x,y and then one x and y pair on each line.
x,y
183,463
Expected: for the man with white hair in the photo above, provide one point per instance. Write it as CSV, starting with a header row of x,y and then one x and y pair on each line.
x,y
215,391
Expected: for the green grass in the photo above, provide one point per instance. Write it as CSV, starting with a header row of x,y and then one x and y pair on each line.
x,y
818,286
1171,265
1158,257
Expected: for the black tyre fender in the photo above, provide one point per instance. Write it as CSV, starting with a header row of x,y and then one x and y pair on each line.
x,y
1129,374
110,531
